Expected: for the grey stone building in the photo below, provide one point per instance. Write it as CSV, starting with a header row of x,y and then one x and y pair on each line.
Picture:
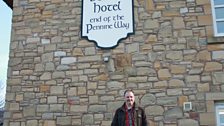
x,y
57,78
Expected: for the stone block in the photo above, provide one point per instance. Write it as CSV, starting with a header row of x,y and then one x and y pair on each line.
x,y
154,110
113,106
218,55
205,20
213,66
148,99
182,99
90,58
210,106
29,111
87,119
164,74
160,84
72,91
218,78
204,55
192,78
167,101
32,123
175,55
202,2
178,22
56,107
68,60
58,74
188,122
47,57
13,106
81,90
78,108
137,79
215,96
203,87
97,108
176,83
115,85
52,99
123,60
56,90
49,123
64,120
42,108
174,92
131,48
45,76
44,88
151,24
173,114
207,119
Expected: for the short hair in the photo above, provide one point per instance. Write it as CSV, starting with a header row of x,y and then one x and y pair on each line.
x,y
128,90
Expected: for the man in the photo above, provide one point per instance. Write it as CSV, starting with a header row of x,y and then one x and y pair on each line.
x,y
129,114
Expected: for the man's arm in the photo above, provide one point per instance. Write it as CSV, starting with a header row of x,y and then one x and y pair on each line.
x,y
144,119
115,120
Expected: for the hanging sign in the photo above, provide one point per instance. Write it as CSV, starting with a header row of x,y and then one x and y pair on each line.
x,y
106,22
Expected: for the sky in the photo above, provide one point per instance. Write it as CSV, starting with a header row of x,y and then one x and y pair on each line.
x,y
5,33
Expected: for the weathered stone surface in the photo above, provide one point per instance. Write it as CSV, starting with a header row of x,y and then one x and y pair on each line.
x,y
47,57
173,92
123,61
115,85
187,122
164,74
218,77
218,55
32,123
175,55
178,22
181,100
176,83
78,108
213,66
29,111
148,99
87,119
204,56
56,90
68,60
207,118
151,24
154,110
97,108
215,96
45,76
112,106
167,101
64,120
173,114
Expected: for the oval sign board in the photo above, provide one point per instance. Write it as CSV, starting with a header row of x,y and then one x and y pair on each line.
x,y
106,22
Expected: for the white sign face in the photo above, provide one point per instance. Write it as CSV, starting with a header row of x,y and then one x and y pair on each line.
x,y
106,22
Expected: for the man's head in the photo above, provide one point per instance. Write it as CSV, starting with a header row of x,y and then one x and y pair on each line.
x,y
129,98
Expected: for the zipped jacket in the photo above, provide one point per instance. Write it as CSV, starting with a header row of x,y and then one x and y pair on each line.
x,y
139,116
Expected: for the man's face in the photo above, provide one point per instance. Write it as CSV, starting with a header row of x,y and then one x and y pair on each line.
x,y
129,98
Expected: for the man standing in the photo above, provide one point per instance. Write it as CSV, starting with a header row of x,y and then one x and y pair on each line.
x,y
129,114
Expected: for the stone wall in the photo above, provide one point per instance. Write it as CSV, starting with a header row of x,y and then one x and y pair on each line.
x,y
57,78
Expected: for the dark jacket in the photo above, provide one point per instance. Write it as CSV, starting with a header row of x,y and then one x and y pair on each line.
x,y
119,117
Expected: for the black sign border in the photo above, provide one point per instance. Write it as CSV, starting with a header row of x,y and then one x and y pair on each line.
x,y
128,34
